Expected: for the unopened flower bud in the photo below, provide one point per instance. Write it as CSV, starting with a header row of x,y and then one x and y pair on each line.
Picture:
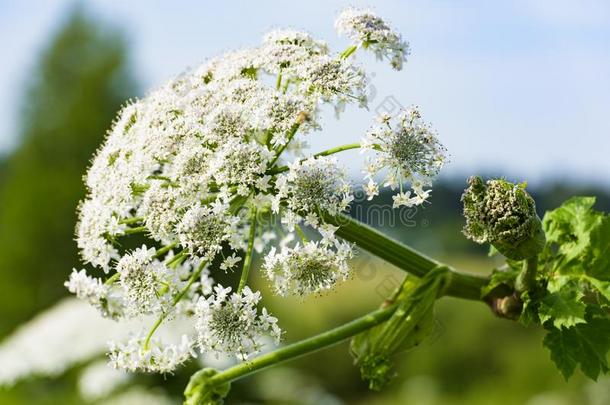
x,y
503,214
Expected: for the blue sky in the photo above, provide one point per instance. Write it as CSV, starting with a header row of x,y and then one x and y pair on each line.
x,y
518,87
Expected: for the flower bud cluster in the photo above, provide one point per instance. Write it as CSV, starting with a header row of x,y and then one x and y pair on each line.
x,y
503,214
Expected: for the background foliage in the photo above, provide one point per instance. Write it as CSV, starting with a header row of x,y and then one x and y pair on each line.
x,y
80,81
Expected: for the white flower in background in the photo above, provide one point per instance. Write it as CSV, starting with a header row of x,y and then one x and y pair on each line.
x,y
98,380
140,396
370,31
307,269
153,356
229,323
70,333
408,149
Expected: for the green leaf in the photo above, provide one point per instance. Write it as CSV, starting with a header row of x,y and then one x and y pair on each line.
x,y
585,344
563,306
601,287
582,237
564,221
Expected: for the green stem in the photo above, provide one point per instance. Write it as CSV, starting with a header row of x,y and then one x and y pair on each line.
x,y
526,280
301,234
176,258
249,252
461,285
305,346
112,279
131,231
152,331
348,52
281,149
129,221
327,152
165,249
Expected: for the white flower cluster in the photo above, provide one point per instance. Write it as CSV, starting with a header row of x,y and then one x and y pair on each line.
x,y
230,324
408,149
188,166
140,354
307,269
371,31
312,186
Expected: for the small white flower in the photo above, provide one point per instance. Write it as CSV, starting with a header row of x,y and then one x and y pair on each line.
x,y
230,324
403,199
409,151
230,262
371,189
96,222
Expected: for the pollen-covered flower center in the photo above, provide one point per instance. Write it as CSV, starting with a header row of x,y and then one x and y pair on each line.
x,y
228,324
203,230
315,186
411,153
307,269
312,272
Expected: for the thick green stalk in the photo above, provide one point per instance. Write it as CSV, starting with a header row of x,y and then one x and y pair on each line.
x,y
306,346
461,285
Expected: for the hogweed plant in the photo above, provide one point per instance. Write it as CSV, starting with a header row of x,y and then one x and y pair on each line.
x,y
211,170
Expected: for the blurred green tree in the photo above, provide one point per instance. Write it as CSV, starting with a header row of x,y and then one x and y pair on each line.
x,y
80,81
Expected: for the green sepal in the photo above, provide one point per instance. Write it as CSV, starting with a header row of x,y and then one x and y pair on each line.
x,y
408,326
